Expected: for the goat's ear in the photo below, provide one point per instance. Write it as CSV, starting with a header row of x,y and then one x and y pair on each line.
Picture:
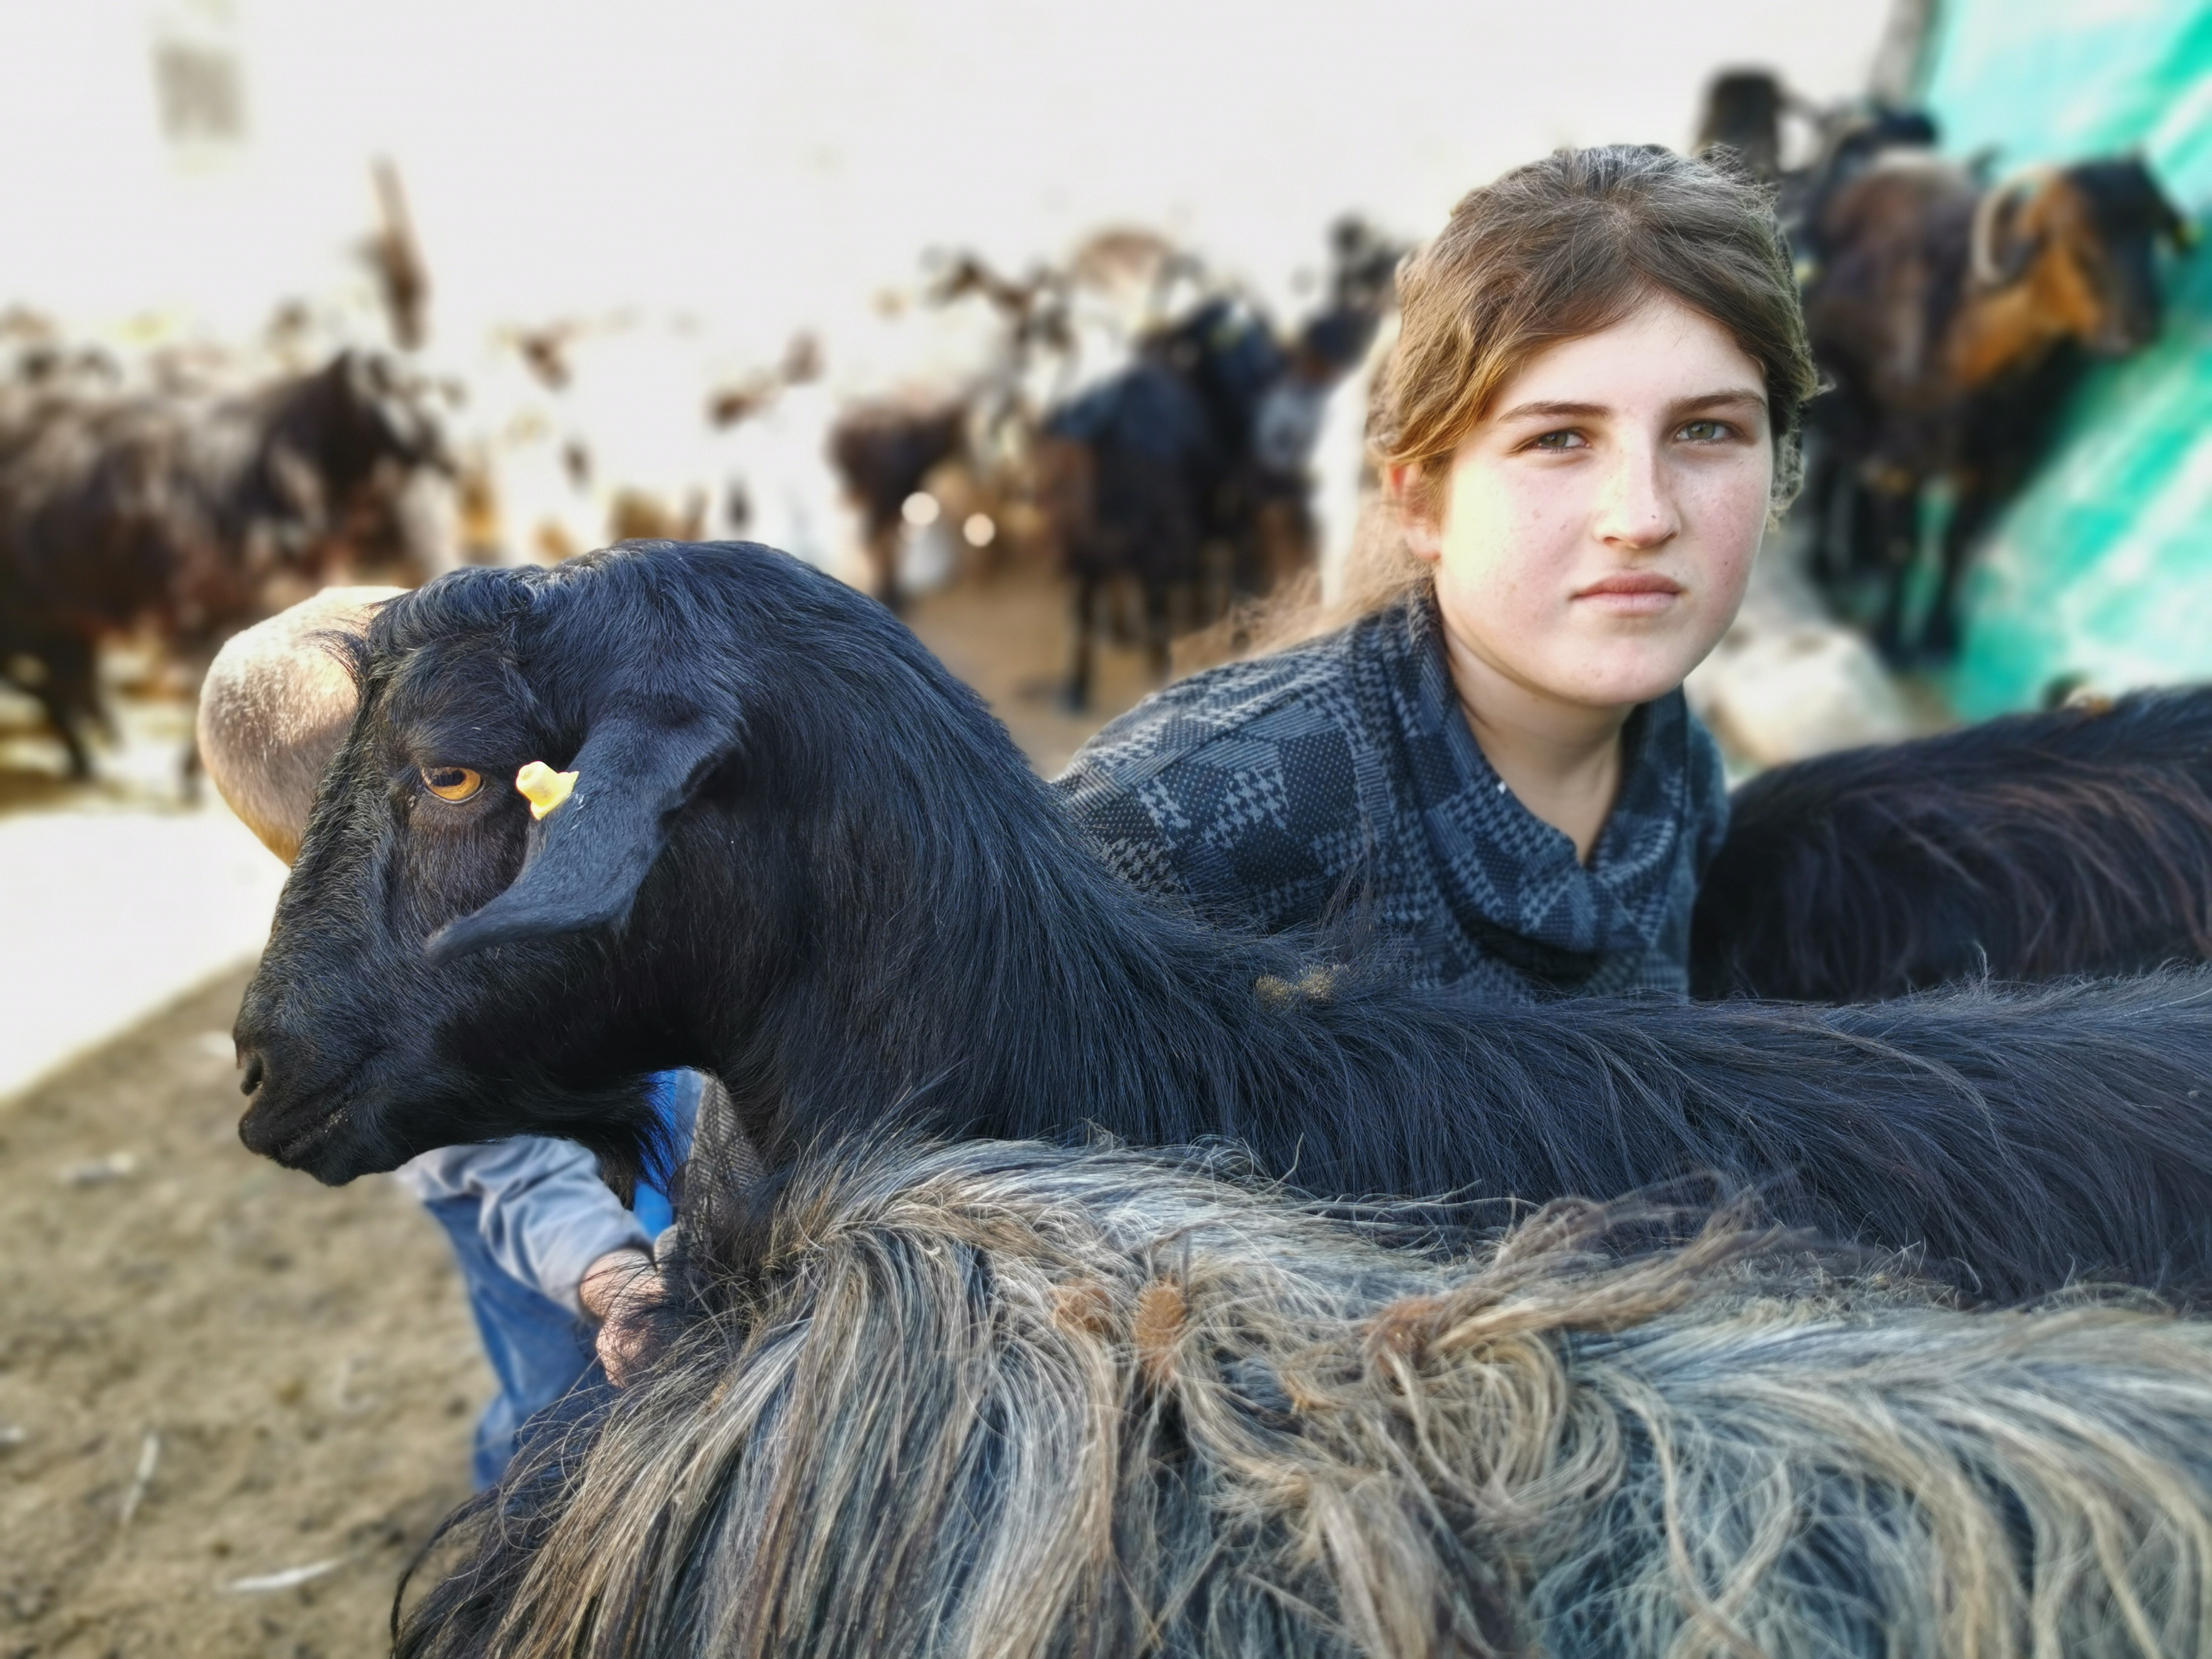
x,y
589,856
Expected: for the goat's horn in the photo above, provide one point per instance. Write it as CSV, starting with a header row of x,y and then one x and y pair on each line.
x,y
543,787
1987,270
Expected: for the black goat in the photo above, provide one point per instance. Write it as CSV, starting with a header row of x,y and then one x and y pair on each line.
x,y
192,517
800,855
1184,474
1131,469
1743,113
2078,842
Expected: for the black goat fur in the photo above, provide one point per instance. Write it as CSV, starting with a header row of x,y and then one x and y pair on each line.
x,y
802,856
2075,842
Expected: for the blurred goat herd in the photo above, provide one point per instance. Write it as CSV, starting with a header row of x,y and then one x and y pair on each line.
x,y
1128,417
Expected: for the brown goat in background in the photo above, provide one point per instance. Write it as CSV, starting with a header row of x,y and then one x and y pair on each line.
x,y
1954,321
883,451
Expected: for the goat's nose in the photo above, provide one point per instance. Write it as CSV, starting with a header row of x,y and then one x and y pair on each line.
x,y
252,1080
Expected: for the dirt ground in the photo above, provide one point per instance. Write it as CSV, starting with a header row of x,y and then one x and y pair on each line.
x,y
291,1369
234,1403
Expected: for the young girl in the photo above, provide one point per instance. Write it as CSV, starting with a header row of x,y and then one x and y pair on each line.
x,y
1591,415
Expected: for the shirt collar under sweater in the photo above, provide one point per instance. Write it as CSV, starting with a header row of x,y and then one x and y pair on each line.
x,y
1506,873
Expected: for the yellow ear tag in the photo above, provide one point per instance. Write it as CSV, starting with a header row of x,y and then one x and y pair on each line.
x,y
543,787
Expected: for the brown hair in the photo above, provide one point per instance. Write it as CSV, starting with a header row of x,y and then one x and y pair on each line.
x,y
1554,250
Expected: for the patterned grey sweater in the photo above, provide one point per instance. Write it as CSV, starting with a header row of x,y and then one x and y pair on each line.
x,y
1341,777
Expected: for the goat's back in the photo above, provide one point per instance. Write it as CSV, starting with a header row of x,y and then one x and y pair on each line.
x,y
1008,1398
2073,842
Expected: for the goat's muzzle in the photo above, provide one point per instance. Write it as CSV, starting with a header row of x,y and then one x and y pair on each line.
x,y
308,1132
301,1109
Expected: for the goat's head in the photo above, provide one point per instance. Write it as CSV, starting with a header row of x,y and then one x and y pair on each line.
x,y
349,450
359,412
445,967
2085,239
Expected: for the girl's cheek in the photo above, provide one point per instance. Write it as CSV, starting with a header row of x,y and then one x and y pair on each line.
x,y
1473,541
1737,575
1735,524
1740,501
1513,527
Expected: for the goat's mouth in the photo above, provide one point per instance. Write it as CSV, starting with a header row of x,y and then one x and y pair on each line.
x,y
309,1133
292,1151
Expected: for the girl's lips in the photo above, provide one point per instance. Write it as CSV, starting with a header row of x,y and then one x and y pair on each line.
x,y
1641,594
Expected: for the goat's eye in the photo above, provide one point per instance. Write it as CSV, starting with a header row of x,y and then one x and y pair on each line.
x,y
452,782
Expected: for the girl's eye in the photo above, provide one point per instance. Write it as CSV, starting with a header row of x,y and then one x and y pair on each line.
x,y
1562,440
452,782
1704,432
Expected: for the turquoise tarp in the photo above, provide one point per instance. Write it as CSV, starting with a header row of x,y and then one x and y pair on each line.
x,y
2103,568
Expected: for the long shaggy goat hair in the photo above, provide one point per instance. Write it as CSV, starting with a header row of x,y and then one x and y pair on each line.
x,y
2077,841
1001,1398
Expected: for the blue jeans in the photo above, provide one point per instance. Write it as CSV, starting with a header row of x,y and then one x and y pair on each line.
x,y
540,1351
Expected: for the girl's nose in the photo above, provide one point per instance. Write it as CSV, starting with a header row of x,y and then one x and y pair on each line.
x,y
1636,511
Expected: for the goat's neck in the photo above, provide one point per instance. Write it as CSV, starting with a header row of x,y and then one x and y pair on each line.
x,y
2016,327
996,979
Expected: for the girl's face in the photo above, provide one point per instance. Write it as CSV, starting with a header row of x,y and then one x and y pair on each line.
x,y
1597,529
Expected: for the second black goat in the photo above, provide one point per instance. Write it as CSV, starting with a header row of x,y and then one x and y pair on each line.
x,y
2075,842
800,855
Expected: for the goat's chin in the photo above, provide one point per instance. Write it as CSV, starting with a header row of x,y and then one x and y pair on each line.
x,y
321,1135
